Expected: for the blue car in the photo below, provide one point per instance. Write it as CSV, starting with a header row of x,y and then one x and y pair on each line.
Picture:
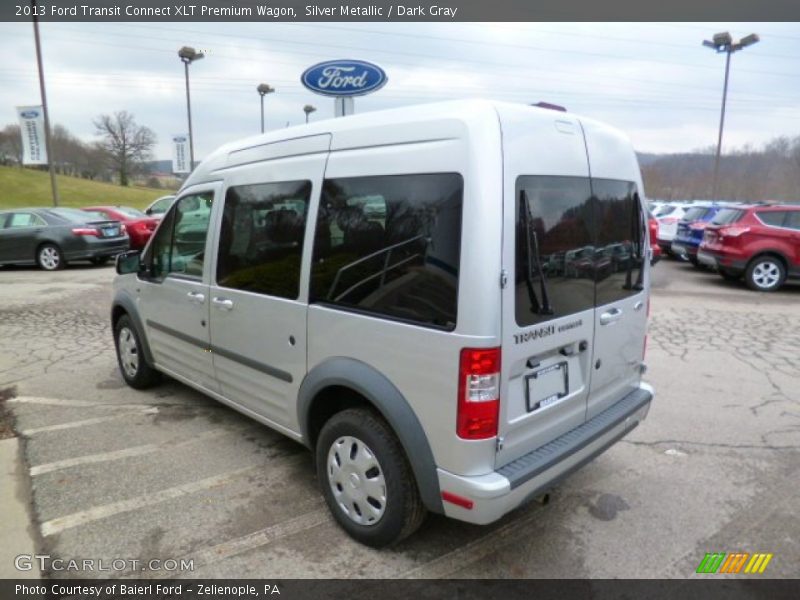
x,y
691,228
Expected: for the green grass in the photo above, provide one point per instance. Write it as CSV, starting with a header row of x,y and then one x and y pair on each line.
x,y
29,187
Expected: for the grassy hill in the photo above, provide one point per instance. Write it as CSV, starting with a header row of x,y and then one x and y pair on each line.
x,y
28,187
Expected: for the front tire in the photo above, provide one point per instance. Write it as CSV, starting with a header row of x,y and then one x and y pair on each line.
x,y
132,363
765,274
49,257
366,479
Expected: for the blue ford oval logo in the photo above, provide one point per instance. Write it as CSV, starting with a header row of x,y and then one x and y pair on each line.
x,y
344,78
179,139
29,114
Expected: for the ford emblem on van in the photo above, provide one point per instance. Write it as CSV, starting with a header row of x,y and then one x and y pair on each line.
x,y
29,114
344,78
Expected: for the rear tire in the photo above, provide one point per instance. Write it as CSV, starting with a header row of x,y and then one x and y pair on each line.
x,y
49,257
765,274
130,357
693,259
366,479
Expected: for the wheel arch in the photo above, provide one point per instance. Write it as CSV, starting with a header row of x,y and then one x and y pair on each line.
x,y
340,383
123,304
770,252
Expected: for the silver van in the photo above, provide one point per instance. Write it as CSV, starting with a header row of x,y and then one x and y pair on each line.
x,y
446,303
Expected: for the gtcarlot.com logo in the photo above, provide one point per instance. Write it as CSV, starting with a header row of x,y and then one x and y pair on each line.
x,y
26,562
735,563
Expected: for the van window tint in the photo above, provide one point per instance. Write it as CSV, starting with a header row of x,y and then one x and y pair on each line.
x,y
773,217
179,243
261,238
390,246
554,272
620,251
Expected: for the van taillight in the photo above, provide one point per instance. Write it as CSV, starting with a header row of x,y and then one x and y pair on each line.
x,y
478,393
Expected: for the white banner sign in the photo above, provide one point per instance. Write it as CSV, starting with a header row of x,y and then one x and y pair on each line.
x,y
31,124
180,153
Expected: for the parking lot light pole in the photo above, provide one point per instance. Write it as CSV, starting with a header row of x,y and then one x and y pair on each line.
x,y
263,90
723,42
188,56
308,109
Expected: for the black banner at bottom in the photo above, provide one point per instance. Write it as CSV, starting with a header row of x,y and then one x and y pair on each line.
x,y
462,589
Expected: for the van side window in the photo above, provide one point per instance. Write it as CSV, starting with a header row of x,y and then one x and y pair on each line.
x,y
261,238
390,246
554,272
180,241
620,240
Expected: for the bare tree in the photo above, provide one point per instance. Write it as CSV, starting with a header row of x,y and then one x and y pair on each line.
x,y
125,143
10,145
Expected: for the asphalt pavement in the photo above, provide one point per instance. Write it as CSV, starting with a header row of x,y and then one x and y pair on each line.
x,y
106,472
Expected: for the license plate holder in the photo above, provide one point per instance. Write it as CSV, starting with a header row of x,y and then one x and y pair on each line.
x,y
111,231
546,386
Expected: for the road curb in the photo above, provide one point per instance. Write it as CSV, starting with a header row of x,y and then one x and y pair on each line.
x,y
16,527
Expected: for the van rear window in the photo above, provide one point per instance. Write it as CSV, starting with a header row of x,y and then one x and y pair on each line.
x,y
579,243
390,246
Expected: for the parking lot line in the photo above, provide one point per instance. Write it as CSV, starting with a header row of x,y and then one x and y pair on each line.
x,y
96,513
486,545
124,453
262,537
71,424
81,403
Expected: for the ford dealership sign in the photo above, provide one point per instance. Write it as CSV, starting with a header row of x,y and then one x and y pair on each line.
x,y
29,114
344,78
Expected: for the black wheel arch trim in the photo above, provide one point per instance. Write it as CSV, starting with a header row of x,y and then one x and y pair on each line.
x,y
124,301
391,404
764,253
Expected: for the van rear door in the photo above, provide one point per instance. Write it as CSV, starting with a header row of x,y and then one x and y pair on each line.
x,y
621,268
548,315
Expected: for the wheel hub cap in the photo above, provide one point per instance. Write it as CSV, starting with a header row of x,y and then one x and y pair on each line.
x,y
49,258
128,352
356,480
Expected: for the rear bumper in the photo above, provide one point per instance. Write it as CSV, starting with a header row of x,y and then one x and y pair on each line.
x,y
529,476
732,262
97,248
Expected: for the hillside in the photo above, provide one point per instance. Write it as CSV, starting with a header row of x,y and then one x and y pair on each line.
x,y
29,187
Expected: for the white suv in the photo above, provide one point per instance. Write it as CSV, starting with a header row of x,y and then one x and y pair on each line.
x,y
446,350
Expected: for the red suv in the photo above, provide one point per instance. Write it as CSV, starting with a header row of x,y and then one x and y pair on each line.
x,y
761,242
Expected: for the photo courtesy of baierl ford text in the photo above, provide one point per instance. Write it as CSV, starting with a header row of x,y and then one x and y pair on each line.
x,y
328,299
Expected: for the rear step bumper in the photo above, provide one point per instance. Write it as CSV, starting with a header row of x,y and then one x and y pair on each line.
x,y
529,476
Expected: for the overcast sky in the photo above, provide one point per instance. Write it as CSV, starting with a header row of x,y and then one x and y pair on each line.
x,y
654,81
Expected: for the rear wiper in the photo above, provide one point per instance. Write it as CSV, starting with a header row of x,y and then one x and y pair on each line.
x,y
533,260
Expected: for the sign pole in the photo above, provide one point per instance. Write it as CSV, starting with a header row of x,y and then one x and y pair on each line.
x,y
50,166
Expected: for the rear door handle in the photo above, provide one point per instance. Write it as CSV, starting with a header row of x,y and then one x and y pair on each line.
x,y
611,316
196,297
223,303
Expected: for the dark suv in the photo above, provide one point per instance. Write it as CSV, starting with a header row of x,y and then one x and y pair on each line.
x,y
760,242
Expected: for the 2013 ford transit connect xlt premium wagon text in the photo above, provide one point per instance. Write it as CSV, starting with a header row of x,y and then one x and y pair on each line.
x,y
446,303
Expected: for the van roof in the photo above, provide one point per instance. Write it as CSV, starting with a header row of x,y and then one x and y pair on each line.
x,y
440,119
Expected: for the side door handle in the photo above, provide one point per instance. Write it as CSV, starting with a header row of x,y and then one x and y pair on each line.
x,y
611,316
222,303
196,297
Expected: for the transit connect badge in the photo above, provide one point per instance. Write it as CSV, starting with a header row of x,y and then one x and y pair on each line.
x,y
342,78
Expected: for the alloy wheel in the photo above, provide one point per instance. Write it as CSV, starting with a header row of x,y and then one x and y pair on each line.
x,y
49,258
128,352
766,274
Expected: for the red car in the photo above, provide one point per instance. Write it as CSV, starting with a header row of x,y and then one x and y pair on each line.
x,y
761,243
140,227
652,225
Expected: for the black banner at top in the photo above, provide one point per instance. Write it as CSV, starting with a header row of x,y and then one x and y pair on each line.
x,y
400,11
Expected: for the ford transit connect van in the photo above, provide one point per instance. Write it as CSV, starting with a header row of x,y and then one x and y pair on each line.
x,y
446,303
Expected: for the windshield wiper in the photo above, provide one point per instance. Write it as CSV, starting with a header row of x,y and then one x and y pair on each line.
x,y
533,260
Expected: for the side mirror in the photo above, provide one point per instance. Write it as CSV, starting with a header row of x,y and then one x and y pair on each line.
x,y
129,262
148,211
